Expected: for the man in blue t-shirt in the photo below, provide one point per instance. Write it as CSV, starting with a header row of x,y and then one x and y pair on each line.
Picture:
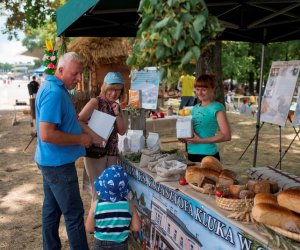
x,y
60,143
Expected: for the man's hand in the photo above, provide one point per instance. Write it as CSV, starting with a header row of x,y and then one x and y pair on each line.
x,y
86,140
98,141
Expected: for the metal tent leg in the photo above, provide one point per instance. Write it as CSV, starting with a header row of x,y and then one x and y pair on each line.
x,y
259,104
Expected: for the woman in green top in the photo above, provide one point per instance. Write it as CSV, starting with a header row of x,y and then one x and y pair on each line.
x,y
209,121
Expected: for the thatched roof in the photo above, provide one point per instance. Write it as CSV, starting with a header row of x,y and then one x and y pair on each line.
x,y
101,50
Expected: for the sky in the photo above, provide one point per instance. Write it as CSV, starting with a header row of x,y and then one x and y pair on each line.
x,y
10,50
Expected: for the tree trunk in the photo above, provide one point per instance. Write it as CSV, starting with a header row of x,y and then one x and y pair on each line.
x,y
210,63
251,83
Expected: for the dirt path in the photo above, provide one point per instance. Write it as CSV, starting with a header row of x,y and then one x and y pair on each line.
x,y
21,192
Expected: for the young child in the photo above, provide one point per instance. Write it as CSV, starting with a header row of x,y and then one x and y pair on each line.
x,y
112,216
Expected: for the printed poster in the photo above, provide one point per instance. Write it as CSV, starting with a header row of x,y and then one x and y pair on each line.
x,y
172,220
296,118
279,92
148,82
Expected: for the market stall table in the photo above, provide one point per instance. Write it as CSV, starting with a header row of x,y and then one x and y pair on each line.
x,y
178,217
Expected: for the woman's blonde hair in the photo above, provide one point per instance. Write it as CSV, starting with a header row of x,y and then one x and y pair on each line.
x,y
106,87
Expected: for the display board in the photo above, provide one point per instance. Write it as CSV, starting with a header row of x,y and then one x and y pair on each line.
x,y
279,92
148,82
296,119
172,220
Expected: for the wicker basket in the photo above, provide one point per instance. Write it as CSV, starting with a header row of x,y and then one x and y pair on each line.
x,y
233,204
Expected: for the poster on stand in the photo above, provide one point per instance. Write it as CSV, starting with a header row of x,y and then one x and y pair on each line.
x,y
279,92
147,81
172,220
296,118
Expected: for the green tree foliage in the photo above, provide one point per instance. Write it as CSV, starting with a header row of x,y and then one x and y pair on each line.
x,y
35,18
242,61
5,67
237,62
27,14
171,35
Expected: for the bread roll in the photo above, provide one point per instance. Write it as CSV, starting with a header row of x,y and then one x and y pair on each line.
x,y
250,185
228,172
226,178
262,187
211,162
195,174
274,188
265,198
277,216
246,194
236,189
290,199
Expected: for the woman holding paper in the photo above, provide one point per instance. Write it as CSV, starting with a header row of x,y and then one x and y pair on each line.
x,y
209,122
112,90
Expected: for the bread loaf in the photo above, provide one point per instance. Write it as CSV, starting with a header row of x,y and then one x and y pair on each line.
x,y
195,175
265,198
275,215
290,199
274,188
262,187
226,178
211,162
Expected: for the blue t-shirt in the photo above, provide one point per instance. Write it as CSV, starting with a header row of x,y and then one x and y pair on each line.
x,y
54,105
205,124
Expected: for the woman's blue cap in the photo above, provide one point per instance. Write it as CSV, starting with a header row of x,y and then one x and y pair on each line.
x,y
113,78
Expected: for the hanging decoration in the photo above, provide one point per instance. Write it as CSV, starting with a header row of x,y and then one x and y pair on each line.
x,y
50,58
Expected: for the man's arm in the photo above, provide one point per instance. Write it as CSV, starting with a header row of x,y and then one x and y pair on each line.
x,y
50,134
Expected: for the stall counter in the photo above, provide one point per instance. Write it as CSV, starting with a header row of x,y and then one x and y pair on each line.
x,y
178,217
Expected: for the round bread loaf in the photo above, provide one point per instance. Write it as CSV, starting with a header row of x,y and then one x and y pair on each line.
x,y
196,175
265,198
290,199
277,216
211,162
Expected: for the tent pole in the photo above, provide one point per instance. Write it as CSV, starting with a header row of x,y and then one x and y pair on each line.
x,y
259,103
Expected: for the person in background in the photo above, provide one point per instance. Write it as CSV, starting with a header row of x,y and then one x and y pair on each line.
x,y
112,216
244,106
209,122
251,100
60,142
228,97
112,90
186,85
33,87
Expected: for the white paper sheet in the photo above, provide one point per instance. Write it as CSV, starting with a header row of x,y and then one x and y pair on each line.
x,y
102,123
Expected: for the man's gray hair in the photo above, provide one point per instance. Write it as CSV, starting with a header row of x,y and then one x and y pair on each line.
x,y
68,57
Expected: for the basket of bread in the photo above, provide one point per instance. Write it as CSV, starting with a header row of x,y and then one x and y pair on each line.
x,y
280,213
208,175
240,198
234,197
